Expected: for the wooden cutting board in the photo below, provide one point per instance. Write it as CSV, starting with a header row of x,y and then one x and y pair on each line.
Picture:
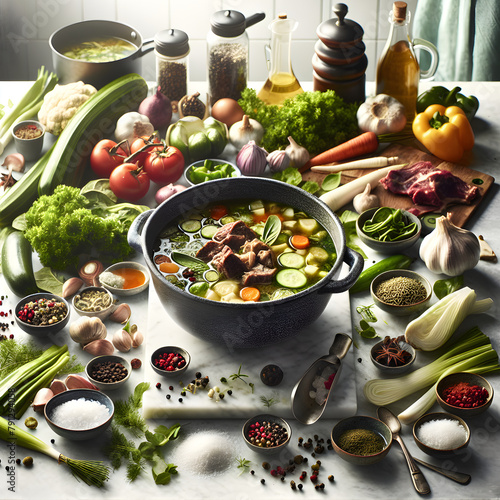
x,y
407,154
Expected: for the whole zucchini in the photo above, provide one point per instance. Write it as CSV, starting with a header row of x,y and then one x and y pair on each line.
x,y
387,264
93,121
19,198
17,264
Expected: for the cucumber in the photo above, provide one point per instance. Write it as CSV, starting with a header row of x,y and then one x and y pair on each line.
x,y
191,225
291,278
17,265
292,260
366,277
93,121
209,230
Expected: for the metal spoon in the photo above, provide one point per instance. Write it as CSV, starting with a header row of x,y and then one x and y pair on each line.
x,y
305,409
419,481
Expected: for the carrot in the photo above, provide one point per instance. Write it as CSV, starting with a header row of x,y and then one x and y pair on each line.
x,y
361,145
250,293
218,211
299,241
168,267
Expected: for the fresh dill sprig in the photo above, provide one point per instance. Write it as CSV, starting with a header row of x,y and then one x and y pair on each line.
x,y
14,354
243,464
268,401
127,412
238,375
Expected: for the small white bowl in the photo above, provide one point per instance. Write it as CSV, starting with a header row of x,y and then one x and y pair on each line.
x,y
127,292
102,314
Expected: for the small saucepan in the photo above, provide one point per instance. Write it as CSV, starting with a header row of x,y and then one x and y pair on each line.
x,y
97,74
235,324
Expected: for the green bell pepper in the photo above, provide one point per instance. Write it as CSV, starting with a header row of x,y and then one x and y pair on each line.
x,y
198,139
447,98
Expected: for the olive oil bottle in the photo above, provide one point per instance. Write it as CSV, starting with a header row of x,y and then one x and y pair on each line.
x,y
281,82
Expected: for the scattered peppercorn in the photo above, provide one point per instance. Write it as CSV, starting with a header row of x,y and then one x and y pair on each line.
x,y
262,481
293,485
18,461
300,486
168,396
28,461
271,375
359,360
298,459
331,478
180,400
158,385
52,440
136,363
252,472
171,388
230,392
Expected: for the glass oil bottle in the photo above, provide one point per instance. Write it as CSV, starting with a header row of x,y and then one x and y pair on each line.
x,y
281,83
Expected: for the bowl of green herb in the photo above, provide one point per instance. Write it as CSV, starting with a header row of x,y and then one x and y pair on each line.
x,y
388,230
401,292
361,440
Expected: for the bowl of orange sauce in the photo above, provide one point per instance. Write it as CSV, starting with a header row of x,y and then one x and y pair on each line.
x,y
125,278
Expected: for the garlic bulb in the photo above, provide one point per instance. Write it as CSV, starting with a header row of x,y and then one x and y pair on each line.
x,y
449,249
87,329
299,155
132,125
251,159
247,129
101,347
381,114
278,160
365,200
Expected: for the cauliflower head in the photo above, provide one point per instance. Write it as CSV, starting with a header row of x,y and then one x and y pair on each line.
x,y
61,103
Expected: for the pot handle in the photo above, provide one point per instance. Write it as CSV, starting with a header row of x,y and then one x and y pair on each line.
x,y
142,50
135,230
356,262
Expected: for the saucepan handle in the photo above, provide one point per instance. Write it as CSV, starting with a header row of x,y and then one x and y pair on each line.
x,y
135,230
355,262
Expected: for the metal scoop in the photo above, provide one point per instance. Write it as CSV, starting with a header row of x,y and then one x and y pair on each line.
x,y
305,408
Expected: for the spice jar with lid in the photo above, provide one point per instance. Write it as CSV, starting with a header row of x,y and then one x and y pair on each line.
x,y
228,53
171,51
340,62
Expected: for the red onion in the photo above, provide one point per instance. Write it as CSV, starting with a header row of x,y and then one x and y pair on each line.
x,y
167,191
158,109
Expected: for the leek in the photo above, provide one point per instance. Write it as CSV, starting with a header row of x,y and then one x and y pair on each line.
x,y
438,323
18,389
93,473
28,106
472,352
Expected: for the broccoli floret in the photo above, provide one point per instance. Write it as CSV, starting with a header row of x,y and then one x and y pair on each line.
x,y
62,226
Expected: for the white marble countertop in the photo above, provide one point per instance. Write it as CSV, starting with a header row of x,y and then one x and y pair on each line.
x,y
387,479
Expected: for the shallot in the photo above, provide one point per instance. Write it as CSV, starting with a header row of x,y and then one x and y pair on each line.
x,y
158,109
167,191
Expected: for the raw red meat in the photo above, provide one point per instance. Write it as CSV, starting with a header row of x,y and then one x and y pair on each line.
x,y
430,188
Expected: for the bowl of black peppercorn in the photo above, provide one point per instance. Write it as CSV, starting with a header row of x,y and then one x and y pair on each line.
x,y
108,372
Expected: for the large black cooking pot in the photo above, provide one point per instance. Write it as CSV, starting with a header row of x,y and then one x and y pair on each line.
x,y
97,74
236,324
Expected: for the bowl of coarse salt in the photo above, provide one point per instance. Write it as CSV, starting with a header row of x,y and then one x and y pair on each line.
x,y
441,434
79,414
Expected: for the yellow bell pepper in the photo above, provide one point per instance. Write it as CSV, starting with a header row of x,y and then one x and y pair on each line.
x,y
445,132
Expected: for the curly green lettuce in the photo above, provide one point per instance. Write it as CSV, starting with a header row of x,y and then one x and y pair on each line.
x,y
316,120
62,226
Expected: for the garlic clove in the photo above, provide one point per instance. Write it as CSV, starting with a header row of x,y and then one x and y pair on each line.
x,y
487,252
122,341
137,339
365,200
15,162
299,155
121,314
100,347
87,329
79,382
71,286
278,160
57,386
42,397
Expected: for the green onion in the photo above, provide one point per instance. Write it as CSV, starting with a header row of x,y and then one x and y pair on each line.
x,y
437,324
472,352
93,473
28,106
18,389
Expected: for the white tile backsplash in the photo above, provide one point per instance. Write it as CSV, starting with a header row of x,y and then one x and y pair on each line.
x,y
25,27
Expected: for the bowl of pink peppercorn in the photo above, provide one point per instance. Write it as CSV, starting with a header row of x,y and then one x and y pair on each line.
x,y
170,360
266,433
